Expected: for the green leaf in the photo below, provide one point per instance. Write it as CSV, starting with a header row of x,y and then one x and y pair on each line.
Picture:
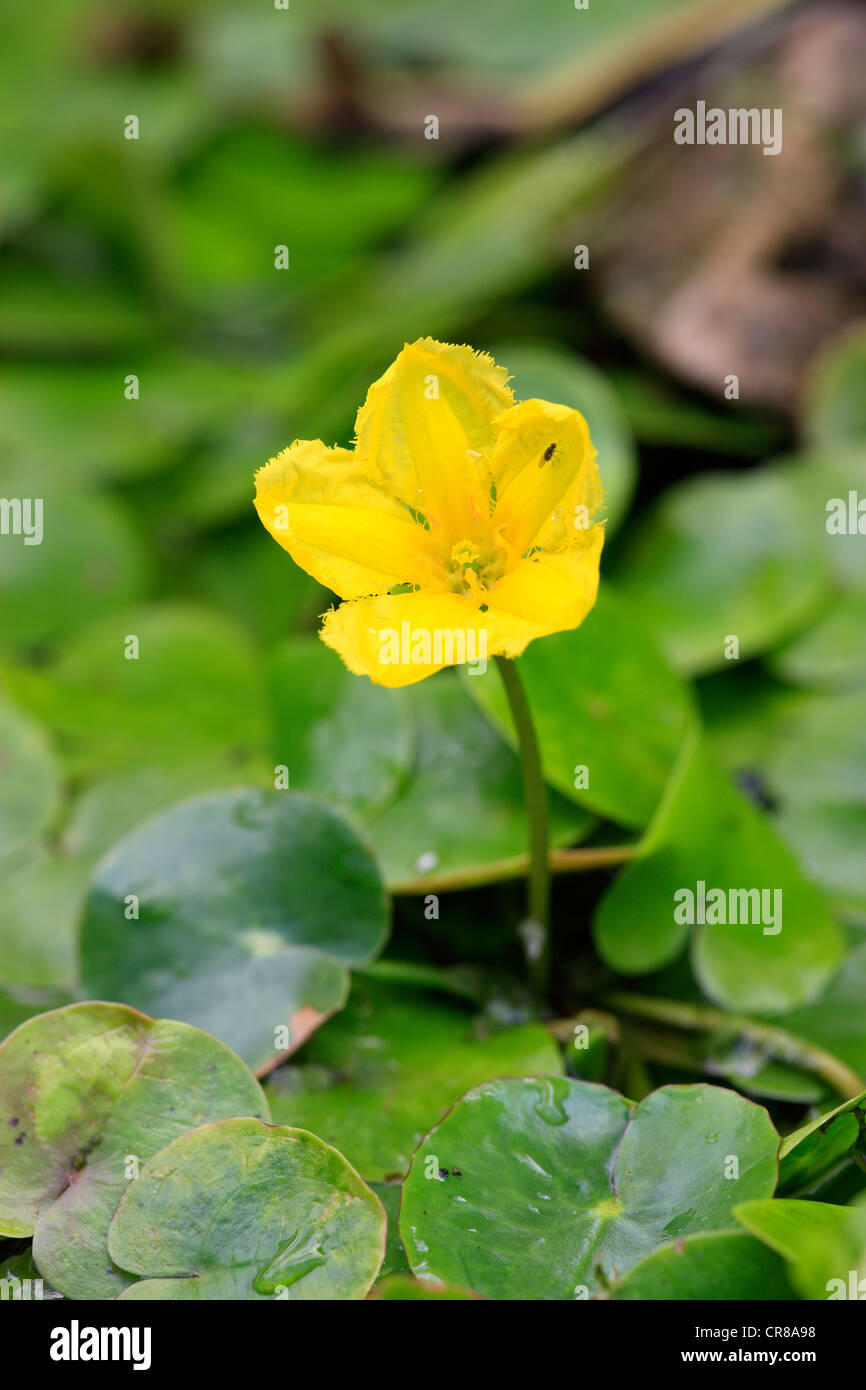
x,y
341,737
818,752
718,1265
87,1090
835,1020
430,784
194,690
725,555
90,561
810,1152
830,842
547,373
23,1268
243,1210
564,1183
29,778
824,478
251,907
385,1070
706,833
825,1245
834,409
602,698
40,902
832,654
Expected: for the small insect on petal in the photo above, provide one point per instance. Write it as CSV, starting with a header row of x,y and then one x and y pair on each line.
x,y
548,454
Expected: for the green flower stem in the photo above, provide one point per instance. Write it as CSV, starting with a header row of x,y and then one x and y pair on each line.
x,y
559,861
778,1043
535,795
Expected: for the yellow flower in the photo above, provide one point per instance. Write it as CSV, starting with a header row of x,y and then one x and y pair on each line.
x,y
460,526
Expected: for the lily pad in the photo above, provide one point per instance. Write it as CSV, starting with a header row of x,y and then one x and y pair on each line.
x,y
341,737
835,1020
718,1265
251,907
422,774
374,1081
162,684
811,1151
832,654
29,778
245,1210
40,902
767,952
603,699
725,555
90,561
824,1245
549,374
564,1184
90,1092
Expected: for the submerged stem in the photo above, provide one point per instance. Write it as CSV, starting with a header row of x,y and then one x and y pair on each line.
x,y
537,939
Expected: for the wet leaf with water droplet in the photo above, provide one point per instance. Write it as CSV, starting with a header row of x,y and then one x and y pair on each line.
x,y
89,1093
251,906
245,1210
565,1184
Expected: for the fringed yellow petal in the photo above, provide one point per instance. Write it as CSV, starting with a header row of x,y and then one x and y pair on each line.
x,y
426,429
398,639
547,482
551,591
319,504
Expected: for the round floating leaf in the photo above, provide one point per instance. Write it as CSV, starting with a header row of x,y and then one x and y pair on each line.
x,y
603,699
763,941
719,1265
89,561
117,802
387,1068
244,1210
251,906
29,778
818,753
347,740
462,806
432,786
830,655
725,555
835,1020
825,1245
830,843
549,374
40,902
18,1270
165,684
825,479
811,1151
89,1092
563,1184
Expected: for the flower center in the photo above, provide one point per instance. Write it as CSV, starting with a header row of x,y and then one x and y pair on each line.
x,y
472,569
